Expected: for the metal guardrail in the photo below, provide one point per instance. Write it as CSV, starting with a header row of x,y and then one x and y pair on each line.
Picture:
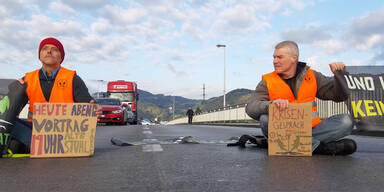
x,y
237,113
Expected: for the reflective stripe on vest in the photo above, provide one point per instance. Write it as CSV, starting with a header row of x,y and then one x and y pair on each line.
x,y
62,91
278,89
315,113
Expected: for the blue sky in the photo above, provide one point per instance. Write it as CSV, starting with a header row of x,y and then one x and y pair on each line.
x,y
169,47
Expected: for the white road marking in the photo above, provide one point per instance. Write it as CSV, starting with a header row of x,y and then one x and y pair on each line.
x,y
147,132
152,148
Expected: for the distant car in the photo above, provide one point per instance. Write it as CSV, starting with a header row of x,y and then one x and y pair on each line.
x,y
130,114
145,122
113,111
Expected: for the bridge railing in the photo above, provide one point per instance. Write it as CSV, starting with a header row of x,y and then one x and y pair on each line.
x,y
237,113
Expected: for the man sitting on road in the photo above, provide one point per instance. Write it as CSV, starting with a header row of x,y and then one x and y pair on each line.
x,y
50,83
295,82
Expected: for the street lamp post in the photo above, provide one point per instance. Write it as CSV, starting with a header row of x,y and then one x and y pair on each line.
x,y
100,85
218,46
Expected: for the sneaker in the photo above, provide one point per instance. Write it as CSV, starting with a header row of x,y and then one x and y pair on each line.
x,y
340,147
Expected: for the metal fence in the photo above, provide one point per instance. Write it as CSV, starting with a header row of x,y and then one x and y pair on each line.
x,y
237,113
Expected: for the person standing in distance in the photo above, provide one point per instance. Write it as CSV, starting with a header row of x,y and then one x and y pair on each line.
x,y
190,114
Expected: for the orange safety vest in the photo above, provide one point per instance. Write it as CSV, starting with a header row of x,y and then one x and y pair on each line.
x,y
62,91
278,89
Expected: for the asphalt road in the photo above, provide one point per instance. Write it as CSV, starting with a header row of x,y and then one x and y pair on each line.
x,y
157,163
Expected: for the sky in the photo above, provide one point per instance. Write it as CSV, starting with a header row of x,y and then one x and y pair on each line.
x,y
169,47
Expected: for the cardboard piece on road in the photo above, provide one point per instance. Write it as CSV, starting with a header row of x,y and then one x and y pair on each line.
x,y
290,130
63,130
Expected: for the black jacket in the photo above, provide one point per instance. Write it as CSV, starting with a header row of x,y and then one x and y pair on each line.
x,y
190,113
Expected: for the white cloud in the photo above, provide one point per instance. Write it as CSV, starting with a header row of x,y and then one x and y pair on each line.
x,y
371,23
200,2
147,46
308,34
177,72
366,33
369,42
41,24
274,6
86,4
300,5
330,46
101,26
119,16
239,20
355,62
193,30
14,35
313,62
3,11
62,9
17,7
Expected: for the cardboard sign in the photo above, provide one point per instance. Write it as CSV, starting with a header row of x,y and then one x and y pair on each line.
x,y
290,130
63,130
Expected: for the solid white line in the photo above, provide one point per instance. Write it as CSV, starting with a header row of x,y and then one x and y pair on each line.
x,y
152,148
147,132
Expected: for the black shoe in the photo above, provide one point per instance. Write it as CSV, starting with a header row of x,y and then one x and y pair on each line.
x,y
241,142
340,147
260,141
18,147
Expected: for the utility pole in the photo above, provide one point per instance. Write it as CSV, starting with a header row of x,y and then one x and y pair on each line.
x,y
203,93
173,115
218,46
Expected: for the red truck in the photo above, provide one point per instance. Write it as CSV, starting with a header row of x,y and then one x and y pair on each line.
x,y
126,91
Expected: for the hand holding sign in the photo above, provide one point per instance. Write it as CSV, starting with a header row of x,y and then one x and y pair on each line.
x,y
99,111
281,103
337,66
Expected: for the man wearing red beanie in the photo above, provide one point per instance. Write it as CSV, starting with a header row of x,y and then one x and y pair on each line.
x,y
50,83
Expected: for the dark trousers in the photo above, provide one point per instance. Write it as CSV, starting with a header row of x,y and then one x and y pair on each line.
x,y
22,131
190,120
11,105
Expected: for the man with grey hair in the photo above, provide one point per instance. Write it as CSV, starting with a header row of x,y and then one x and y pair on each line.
x,y
294,82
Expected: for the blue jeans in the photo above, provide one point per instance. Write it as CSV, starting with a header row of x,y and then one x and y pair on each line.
x,y
22,131
330,129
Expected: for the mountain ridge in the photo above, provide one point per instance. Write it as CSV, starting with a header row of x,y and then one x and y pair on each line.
x,y
157,106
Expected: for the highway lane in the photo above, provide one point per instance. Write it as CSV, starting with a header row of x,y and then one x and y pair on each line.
x,y
211,166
